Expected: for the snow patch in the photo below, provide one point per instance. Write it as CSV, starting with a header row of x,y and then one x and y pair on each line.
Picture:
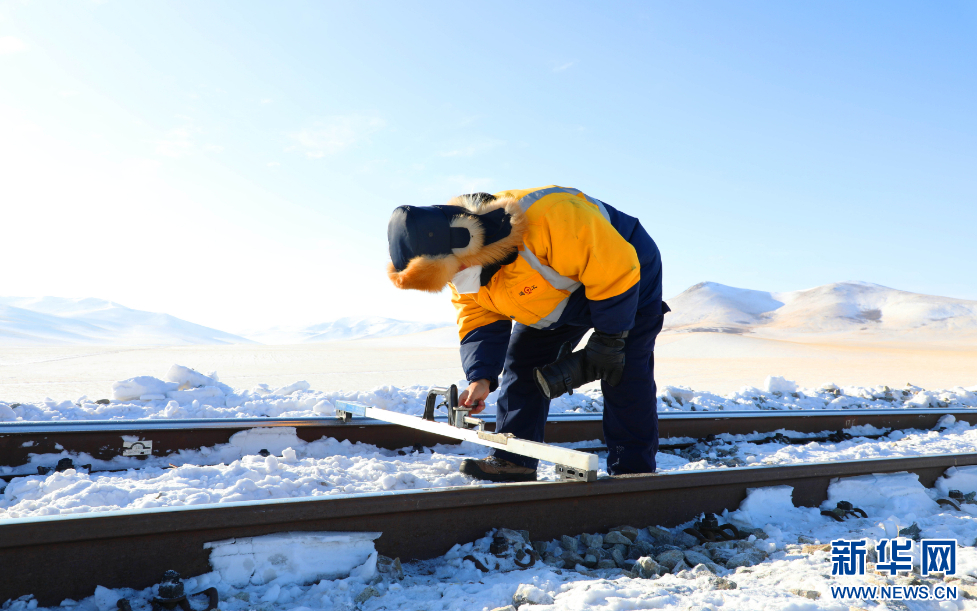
x,y
963,479
135,388
882,494
773,504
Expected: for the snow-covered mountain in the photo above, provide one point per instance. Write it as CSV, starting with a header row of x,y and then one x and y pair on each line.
x,y
57,320
342,329
832,308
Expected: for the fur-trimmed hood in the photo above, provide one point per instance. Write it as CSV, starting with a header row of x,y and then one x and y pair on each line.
x,y
433,272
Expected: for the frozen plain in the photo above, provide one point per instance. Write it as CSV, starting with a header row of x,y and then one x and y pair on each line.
x,y
718,362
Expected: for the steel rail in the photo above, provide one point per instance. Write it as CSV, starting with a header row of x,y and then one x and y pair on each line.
x,y
68,556
102,439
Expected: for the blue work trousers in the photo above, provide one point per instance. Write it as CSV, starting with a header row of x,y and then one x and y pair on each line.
x,y
630,408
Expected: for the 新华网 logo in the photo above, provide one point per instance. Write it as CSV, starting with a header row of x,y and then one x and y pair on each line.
x,y
937,556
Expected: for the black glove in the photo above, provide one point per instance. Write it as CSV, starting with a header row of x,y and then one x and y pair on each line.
x,y
605,356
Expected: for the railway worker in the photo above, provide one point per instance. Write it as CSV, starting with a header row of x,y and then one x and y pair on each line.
x,y
530,270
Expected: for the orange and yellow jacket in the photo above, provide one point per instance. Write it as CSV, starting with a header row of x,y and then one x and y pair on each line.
x,y
580,261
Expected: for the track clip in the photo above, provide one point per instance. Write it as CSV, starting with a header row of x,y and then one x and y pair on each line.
x,y
171,596
709,529
839,436
956,499
63,465
843,510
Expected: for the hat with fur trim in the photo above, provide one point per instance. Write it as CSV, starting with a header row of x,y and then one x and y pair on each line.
x,y
430,244
415,231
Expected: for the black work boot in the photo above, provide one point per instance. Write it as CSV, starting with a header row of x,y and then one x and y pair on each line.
x,y
497,470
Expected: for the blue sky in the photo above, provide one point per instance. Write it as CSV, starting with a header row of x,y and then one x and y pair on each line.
x,y
235,163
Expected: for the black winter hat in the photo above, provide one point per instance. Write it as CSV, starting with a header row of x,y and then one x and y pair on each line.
x,y
430,244
415,231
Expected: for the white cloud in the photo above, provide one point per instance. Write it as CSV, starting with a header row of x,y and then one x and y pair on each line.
x,y
154,233
273,164
563,67
67,93
11,44
334,134
266,101
180,142
472,149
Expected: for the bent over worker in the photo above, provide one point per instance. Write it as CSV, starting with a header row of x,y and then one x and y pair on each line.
x,y
530,270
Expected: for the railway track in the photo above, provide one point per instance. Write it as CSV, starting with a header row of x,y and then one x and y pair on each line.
x,y
62,557
68,556
104,439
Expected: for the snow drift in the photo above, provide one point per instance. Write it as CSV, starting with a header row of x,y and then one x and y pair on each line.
x,y
832,308
59,321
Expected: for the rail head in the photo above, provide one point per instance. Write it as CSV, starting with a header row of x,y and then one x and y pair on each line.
x,y
92,426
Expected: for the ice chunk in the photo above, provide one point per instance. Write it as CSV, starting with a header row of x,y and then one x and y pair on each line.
x,y
925,398
680,393
367,570
6,413
275,440
778,384
963,479
528,594
134,388
271,596
295,386
106,599
295,557
186,378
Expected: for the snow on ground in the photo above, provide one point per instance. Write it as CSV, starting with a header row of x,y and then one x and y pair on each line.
x,y
186,393
232,472
785,564
294,468
791,569
950,437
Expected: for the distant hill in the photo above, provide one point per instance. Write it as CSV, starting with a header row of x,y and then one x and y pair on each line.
x,y
343,329
57,320
832,308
